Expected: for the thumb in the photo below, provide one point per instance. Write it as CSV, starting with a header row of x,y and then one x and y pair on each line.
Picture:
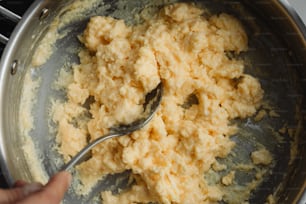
x,y
58,185
53,192
16,194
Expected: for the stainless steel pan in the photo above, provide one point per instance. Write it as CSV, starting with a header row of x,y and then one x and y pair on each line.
x,y
277,56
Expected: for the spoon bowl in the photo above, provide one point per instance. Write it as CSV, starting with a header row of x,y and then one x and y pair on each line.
x,y
152,101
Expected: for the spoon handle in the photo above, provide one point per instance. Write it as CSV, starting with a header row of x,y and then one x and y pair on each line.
x,y
82,154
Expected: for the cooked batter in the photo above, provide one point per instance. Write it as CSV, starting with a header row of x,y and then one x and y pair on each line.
x,y
204,90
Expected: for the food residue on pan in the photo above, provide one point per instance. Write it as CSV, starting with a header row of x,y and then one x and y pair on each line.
x,y
75,11
26,122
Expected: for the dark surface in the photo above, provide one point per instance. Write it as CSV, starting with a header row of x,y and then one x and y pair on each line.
x,y
18,7
6,27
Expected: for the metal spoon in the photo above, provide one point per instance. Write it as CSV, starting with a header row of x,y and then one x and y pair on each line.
x,y
152,101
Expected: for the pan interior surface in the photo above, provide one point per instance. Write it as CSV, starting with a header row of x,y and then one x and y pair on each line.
x,y
269,59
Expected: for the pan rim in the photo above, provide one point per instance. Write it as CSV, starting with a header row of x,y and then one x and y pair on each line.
x,y
7,59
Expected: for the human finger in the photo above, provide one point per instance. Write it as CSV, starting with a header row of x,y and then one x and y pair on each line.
x,y
18,193
20,183
53,192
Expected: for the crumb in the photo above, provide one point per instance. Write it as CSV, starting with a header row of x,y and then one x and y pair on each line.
x,y
260,115
228,179
262,156
274,114
218,167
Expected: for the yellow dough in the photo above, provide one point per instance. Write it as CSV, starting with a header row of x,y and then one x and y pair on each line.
x,y
120,64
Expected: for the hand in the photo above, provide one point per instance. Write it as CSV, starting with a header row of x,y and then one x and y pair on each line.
x,y
25,193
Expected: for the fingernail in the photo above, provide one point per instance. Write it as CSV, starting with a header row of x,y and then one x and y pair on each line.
x,y
20,183
31,188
